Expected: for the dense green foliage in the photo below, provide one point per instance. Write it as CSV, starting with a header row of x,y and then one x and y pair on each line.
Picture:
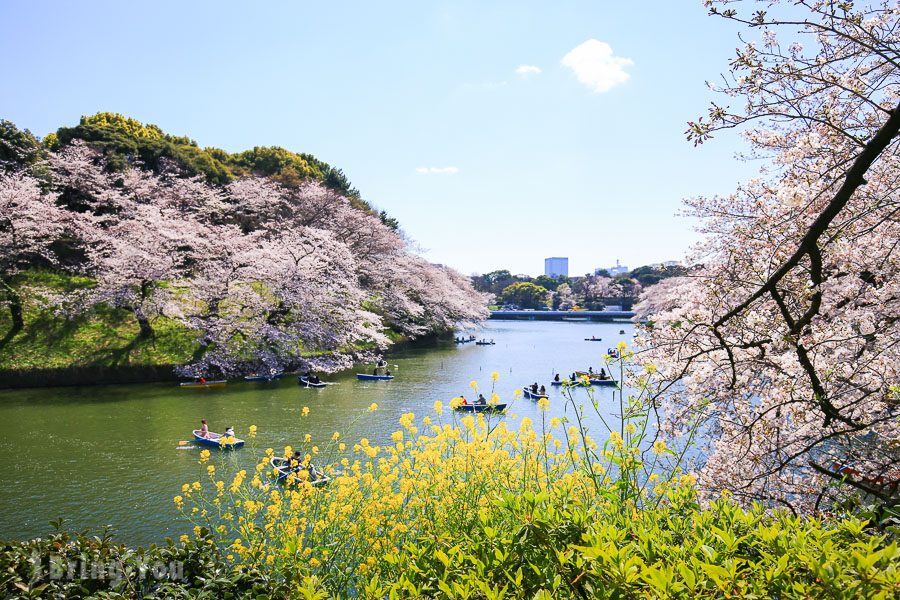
x,y
524,295
39,569
651,274
17,146
125,139
524,546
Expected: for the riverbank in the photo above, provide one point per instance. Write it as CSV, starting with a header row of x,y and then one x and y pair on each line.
x,y
102,347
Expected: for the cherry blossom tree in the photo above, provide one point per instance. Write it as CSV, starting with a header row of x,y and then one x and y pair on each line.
x,y
30,223
785,343
268,275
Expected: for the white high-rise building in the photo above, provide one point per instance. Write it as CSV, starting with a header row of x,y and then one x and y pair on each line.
x,y
556,266
618,269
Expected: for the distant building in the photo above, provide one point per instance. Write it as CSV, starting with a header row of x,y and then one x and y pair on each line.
x,y
672,263
618,269
556,266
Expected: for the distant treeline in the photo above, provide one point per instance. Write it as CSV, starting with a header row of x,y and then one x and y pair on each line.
x,y
591,292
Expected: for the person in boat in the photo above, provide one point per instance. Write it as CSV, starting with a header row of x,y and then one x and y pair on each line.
x,y
573,378
295,462
603,374
201,379
481,399
590,370
534,388
464,401
314,379
556,378
543,391
204,428
229,432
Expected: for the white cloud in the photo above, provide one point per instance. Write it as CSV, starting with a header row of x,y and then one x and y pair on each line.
x,y
596,67
528,70
437,170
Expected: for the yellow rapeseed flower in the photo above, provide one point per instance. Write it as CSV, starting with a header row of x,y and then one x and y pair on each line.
x,y
474,385
543,403
204,456
659,446
305,411
438,406
335,436
630,428
373,407
689,480
253,431
495,375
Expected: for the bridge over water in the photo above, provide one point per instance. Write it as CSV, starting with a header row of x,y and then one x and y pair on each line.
x,y
563,315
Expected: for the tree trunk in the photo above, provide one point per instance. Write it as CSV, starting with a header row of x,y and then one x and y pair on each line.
x,y
15,311
146,329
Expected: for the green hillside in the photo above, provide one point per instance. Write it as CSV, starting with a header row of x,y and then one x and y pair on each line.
x,y
122,139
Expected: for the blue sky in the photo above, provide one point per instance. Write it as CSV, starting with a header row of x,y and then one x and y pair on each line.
x,y
498,133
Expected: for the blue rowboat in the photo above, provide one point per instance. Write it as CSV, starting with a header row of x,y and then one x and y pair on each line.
x,y
604,382
593,339
306,382
481,407
271,375
367,377
212,439
533,395
576,383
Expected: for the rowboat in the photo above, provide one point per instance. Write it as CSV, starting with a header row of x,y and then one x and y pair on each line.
x,y
306,382
263,377
593,339
316,477
218,383
533,395
484,343
597,380
481,407
367,377
213,439
576,383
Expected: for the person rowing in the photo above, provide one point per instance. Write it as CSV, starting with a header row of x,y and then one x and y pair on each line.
x,y
481,399
556,378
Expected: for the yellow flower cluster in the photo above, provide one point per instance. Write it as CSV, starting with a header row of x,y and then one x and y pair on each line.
x,y
359,504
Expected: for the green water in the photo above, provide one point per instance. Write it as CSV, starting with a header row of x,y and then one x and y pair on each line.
x,y
110,455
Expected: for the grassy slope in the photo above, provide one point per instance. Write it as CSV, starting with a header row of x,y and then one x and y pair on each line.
x,y
105,337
